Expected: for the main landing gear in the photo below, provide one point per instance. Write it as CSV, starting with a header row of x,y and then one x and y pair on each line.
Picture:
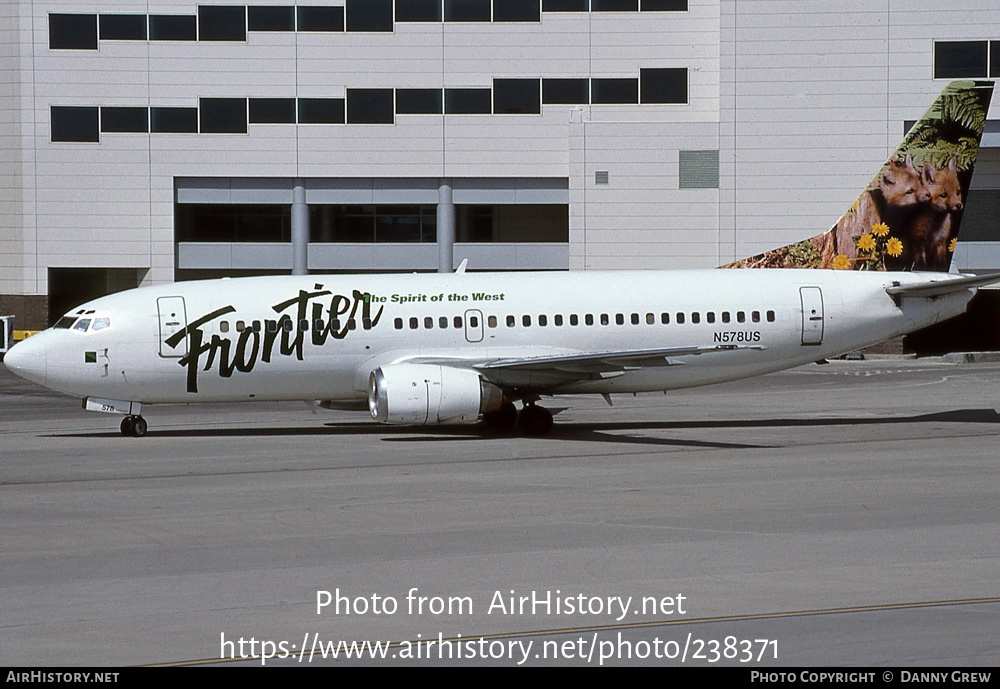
x,y
532,420
134,426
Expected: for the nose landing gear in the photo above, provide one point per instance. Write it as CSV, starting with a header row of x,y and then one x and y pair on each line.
x,y
134,426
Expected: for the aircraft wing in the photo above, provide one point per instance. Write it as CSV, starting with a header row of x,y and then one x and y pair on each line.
x,y
591,362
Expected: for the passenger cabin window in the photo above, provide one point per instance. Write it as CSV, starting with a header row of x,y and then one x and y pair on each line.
x,y
589,319
526,321
473,322
543,320
490,320
620,318
664,318
557,319
573,320
710,316
696,317
240,326
755,316
510,321
741,317
443,322
680,317
413,323
224,327
770,316
605,319
725,316
428,322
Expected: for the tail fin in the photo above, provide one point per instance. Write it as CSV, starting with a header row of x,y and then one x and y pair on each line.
x,y
907,218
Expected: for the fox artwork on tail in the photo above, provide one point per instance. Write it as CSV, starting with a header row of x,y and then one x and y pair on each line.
x,y
907,218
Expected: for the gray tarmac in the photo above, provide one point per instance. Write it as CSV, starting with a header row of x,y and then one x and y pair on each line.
x,y
844,514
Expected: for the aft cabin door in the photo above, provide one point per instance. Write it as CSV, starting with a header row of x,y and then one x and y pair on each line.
x,y
173,319
812,315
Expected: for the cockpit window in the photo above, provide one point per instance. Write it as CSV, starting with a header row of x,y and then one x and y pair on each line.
x,y
65,323
82,325
101,324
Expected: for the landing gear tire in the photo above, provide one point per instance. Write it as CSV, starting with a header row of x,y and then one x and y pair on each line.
x,y
535,421
134,426
502,419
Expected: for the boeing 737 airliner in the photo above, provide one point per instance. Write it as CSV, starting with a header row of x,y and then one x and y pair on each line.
x,y
464,347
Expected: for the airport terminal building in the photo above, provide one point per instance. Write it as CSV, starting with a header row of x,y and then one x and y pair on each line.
x,y
147,141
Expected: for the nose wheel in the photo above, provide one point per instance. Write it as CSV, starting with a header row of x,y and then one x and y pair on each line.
x,y
134,426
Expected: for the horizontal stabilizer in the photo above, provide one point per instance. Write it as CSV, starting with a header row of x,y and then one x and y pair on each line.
x,y
939,288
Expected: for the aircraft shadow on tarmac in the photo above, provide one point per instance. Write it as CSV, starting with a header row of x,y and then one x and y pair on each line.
x,y
608,432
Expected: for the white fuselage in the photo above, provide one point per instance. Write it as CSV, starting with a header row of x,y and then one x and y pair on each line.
x,y
320,336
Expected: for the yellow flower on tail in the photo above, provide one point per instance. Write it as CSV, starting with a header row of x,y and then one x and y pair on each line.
x,y
880,229
894,247
841,262
952,243
866,242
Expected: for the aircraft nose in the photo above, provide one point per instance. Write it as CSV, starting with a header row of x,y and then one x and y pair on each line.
x,y
28,360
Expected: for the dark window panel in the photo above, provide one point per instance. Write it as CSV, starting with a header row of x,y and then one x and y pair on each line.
x,y
467,101
610,91
321,111
223,115
565,5
73,31
270,18
663,85
320,18
125,120
418,10
74,124
959,59
614,5
664,5
566,91
369,15
123,27
173,120
272,111
516,11
994,59
418,101
222,23
173,27
370,106
467,10
516,97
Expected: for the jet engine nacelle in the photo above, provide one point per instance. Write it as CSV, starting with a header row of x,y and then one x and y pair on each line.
x,y
430,394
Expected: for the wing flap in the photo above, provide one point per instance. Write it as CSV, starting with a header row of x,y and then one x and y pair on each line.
x,y
600,362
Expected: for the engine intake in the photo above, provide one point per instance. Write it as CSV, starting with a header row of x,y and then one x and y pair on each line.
x,y
430,394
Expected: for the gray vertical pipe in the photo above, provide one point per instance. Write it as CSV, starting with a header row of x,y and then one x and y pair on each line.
x,y
300,229
445,227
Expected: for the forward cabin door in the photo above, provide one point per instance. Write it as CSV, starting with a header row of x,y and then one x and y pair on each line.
x,y
812,315
173,319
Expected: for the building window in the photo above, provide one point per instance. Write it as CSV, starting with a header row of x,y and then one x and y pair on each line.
x,y
173,27
418,101
467,10
960,59
123,27
173,120
369,15
467,101
74,124
994,59
134,120
565,5
372,223
565,91
328,19
223,115
516,11
614,91
321,111
73,31
418,10
270,18
663,5
699,169
516,97
601,177
272,111
614,5
663,85
233,223
370,106
222,23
